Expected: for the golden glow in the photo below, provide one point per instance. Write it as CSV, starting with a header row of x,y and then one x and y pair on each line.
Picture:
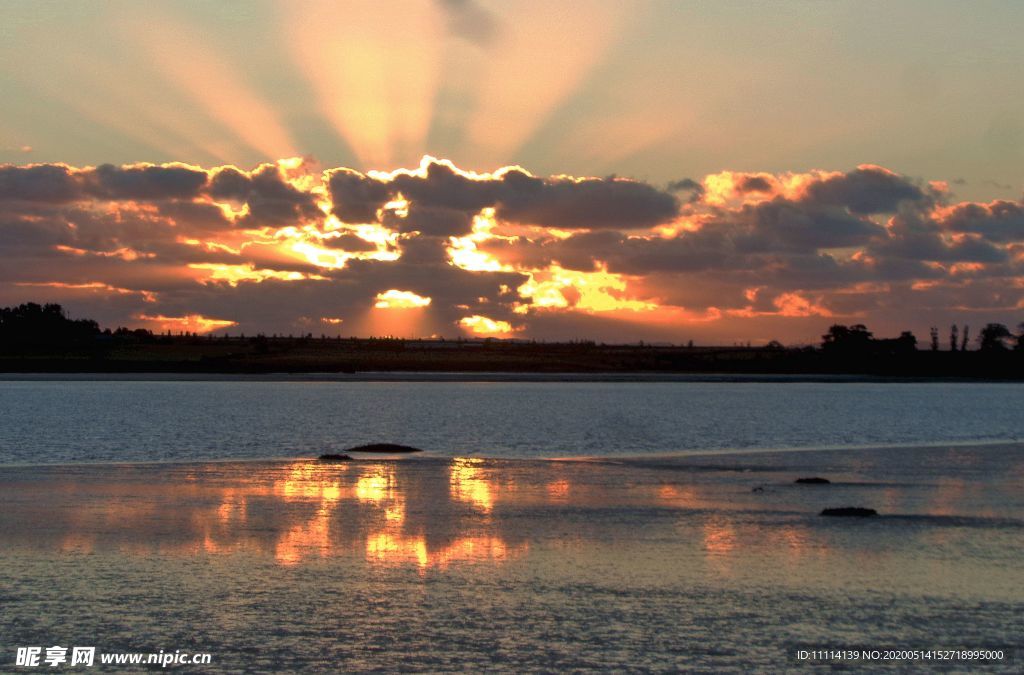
x,y
124,253
786,304
395,299
398,206
726,188
374,68
470,484
307,243
235,274
394,548
558,491
94,286
375,486
481,325
463,253
205,75
192,323
308,482
557,287
508,107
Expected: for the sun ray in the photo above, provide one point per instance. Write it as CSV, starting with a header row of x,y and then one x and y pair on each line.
x,y
374,67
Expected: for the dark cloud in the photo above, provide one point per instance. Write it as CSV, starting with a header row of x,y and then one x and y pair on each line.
x,y
693,190
470,21
915,236
356,198
348,242
754,184
1001,221
591,203
144,182
272,200
866,190
517,197
47,183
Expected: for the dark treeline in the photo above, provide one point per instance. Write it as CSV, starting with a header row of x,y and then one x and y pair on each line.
x,y
42,338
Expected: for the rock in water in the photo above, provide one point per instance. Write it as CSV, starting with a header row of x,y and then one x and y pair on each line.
x,y
850,512
812,481
388,448
335,457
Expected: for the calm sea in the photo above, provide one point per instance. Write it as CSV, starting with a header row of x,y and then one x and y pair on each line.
x,y
89,421
478,557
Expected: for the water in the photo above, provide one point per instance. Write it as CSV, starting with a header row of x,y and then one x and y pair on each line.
x,y
88,421
484,555
433,564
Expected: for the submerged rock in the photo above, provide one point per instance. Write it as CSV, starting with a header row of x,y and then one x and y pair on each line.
x,y
813,481
334,457
850,512
384,448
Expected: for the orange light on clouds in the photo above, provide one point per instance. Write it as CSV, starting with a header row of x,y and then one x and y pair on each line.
x,y
235,274
124,253
463,253
559,288
90,286
192,323
483,326
395,299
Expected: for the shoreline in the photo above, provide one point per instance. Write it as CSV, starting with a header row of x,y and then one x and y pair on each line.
x,y
621,460
493,377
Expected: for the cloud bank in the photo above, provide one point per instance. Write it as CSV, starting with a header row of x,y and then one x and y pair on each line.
x,y
291,247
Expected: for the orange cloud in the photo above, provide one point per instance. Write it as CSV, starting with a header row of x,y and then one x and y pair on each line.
x,y
483,326
395,299
192,323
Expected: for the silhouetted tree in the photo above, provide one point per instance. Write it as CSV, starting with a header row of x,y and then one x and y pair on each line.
x,y
935,338
906,342
963,343
32,323
993,337
954,333
846,338
1020,337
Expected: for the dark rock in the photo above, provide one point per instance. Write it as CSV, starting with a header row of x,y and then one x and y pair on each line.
x,y
812,481
850,512
388,448
335,457
759,488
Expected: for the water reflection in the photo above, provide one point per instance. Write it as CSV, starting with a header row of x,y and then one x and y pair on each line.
x,y
428,514
470,484
433,514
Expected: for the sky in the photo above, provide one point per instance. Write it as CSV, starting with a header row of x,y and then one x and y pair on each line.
x,y
634,170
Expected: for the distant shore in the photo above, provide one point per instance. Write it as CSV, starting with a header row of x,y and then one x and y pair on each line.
x,y
202,357
456,376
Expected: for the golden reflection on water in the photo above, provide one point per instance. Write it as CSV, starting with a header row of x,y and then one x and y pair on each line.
x,y
299,512
470,484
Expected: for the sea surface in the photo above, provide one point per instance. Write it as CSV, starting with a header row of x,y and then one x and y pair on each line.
x,y
717,563
104,421
549,527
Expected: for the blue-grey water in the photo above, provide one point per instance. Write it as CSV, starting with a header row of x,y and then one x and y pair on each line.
x,y
87,421
482,555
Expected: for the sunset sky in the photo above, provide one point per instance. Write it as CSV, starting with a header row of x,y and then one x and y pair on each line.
x,y
657,170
